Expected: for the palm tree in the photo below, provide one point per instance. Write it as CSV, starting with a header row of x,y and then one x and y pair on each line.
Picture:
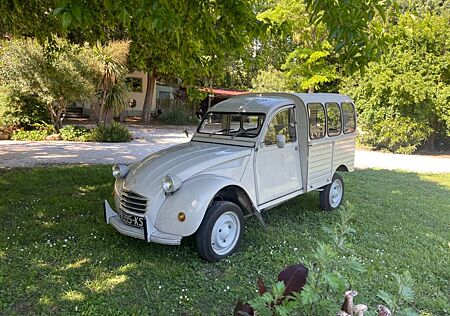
x,y
112,94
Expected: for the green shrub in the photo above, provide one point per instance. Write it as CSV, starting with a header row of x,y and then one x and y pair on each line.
x,y
36,135
75,133
178,116
112,133
400,135
21,110
39,132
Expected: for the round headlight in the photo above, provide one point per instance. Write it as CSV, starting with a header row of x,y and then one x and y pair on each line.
x,y
120,171
171,183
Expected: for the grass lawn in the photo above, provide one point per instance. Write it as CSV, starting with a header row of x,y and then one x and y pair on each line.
x,y
58,257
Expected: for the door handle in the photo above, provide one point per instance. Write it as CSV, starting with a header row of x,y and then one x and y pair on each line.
x,y
296,147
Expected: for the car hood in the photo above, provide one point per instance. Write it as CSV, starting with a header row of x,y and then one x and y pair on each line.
x,y
183,161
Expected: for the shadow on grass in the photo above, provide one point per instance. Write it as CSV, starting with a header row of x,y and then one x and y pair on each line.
x,y
57,255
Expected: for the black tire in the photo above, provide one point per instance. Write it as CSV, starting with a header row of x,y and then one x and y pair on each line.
x,y
325,195
204,237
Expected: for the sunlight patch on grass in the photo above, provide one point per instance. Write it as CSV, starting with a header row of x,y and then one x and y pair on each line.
x,y
105,283
439,179
45,300
127,267
77,264
87,188
47,224
73,296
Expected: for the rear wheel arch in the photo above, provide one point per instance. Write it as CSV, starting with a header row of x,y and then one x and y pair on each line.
x,y
342,168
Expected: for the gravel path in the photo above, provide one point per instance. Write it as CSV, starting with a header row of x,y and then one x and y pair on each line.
x,y
417,163
150,139
146,141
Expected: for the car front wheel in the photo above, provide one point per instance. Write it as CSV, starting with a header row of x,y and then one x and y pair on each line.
x,y
332,194
220,233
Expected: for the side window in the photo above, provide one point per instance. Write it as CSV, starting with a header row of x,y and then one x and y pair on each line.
x,y
316,120
349,117
282,123
334,122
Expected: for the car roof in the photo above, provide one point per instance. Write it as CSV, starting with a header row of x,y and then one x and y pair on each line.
x,y
267,102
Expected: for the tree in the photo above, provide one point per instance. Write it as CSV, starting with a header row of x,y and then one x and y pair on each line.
x,y
308,64
404,99
185,39
271,80
308,69
112,90
57,73
31,18
353,30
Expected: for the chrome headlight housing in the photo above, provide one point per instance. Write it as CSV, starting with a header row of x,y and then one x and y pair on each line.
x,y
120,171
171,183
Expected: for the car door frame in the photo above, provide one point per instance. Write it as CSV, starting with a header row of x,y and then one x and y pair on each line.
x,y
258,147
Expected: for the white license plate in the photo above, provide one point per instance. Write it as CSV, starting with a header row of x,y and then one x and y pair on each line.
x,y
131,220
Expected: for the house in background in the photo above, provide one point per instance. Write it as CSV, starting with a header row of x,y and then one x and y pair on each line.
x,y
166,97
137,83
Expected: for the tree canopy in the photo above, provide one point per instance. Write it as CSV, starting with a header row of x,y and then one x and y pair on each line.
x,y
57,74
404,99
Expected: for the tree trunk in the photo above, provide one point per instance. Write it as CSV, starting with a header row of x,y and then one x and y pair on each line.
x,y
430,143
56,112
149,93
311,90
93,112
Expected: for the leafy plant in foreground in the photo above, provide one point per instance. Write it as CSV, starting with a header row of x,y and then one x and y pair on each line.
x,y
403,296
330,270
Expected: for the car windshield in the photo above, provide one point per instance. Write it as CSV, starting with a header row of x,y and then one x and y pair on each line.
x,y
232,124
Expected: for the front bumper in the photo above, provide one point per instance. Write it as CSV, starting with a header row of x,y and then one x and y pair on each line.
x,y
149,233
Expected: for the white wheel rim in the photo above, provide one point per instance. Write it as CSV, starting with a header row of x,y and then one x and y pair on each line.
x,y
225,233
335,196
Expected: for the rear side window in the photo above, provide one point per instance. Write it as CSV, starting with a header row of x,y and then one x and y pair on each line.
x,y
316,120
334,122
349,117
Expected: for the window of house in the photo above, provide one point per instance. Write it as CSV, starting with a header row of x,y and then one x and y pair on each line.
x,y
164,95
316,120
134,84
283,123
349,117
334,122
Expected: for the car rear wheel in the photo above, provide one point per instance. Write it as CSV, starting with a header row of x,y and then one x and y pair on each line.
x,y
333,194
220,233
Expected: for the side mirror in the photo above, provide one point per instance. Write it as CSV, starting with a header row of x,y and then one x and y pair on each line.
x,y
281,140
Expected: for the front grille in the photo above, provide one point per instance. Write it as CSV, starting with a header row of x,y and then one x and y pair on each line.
x,y
131,201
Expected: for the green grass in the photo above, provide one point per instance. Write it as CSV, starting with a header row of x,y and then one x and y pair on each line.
x,y
58,257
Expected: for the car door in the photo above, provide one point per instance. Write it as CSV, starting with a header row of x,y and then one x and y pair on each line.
x,y
277,170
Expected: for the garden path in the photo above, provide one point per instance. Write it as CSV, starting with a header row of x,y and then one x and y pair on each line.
x,y
151,139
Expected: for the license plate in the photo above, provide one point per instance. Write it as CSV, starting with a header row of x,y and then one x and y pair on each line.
x,y
131,220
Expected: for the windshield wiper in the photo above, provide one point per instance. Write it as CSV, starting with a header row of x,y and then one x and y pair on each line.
x,y
237,134
223,130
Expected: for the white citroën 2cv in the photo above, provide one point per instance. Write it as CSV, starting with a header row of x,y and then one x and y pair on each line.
x,y
249,153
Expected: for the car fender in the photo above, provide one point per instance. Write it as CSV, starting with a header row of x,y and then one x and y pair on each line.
x,y
193,199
